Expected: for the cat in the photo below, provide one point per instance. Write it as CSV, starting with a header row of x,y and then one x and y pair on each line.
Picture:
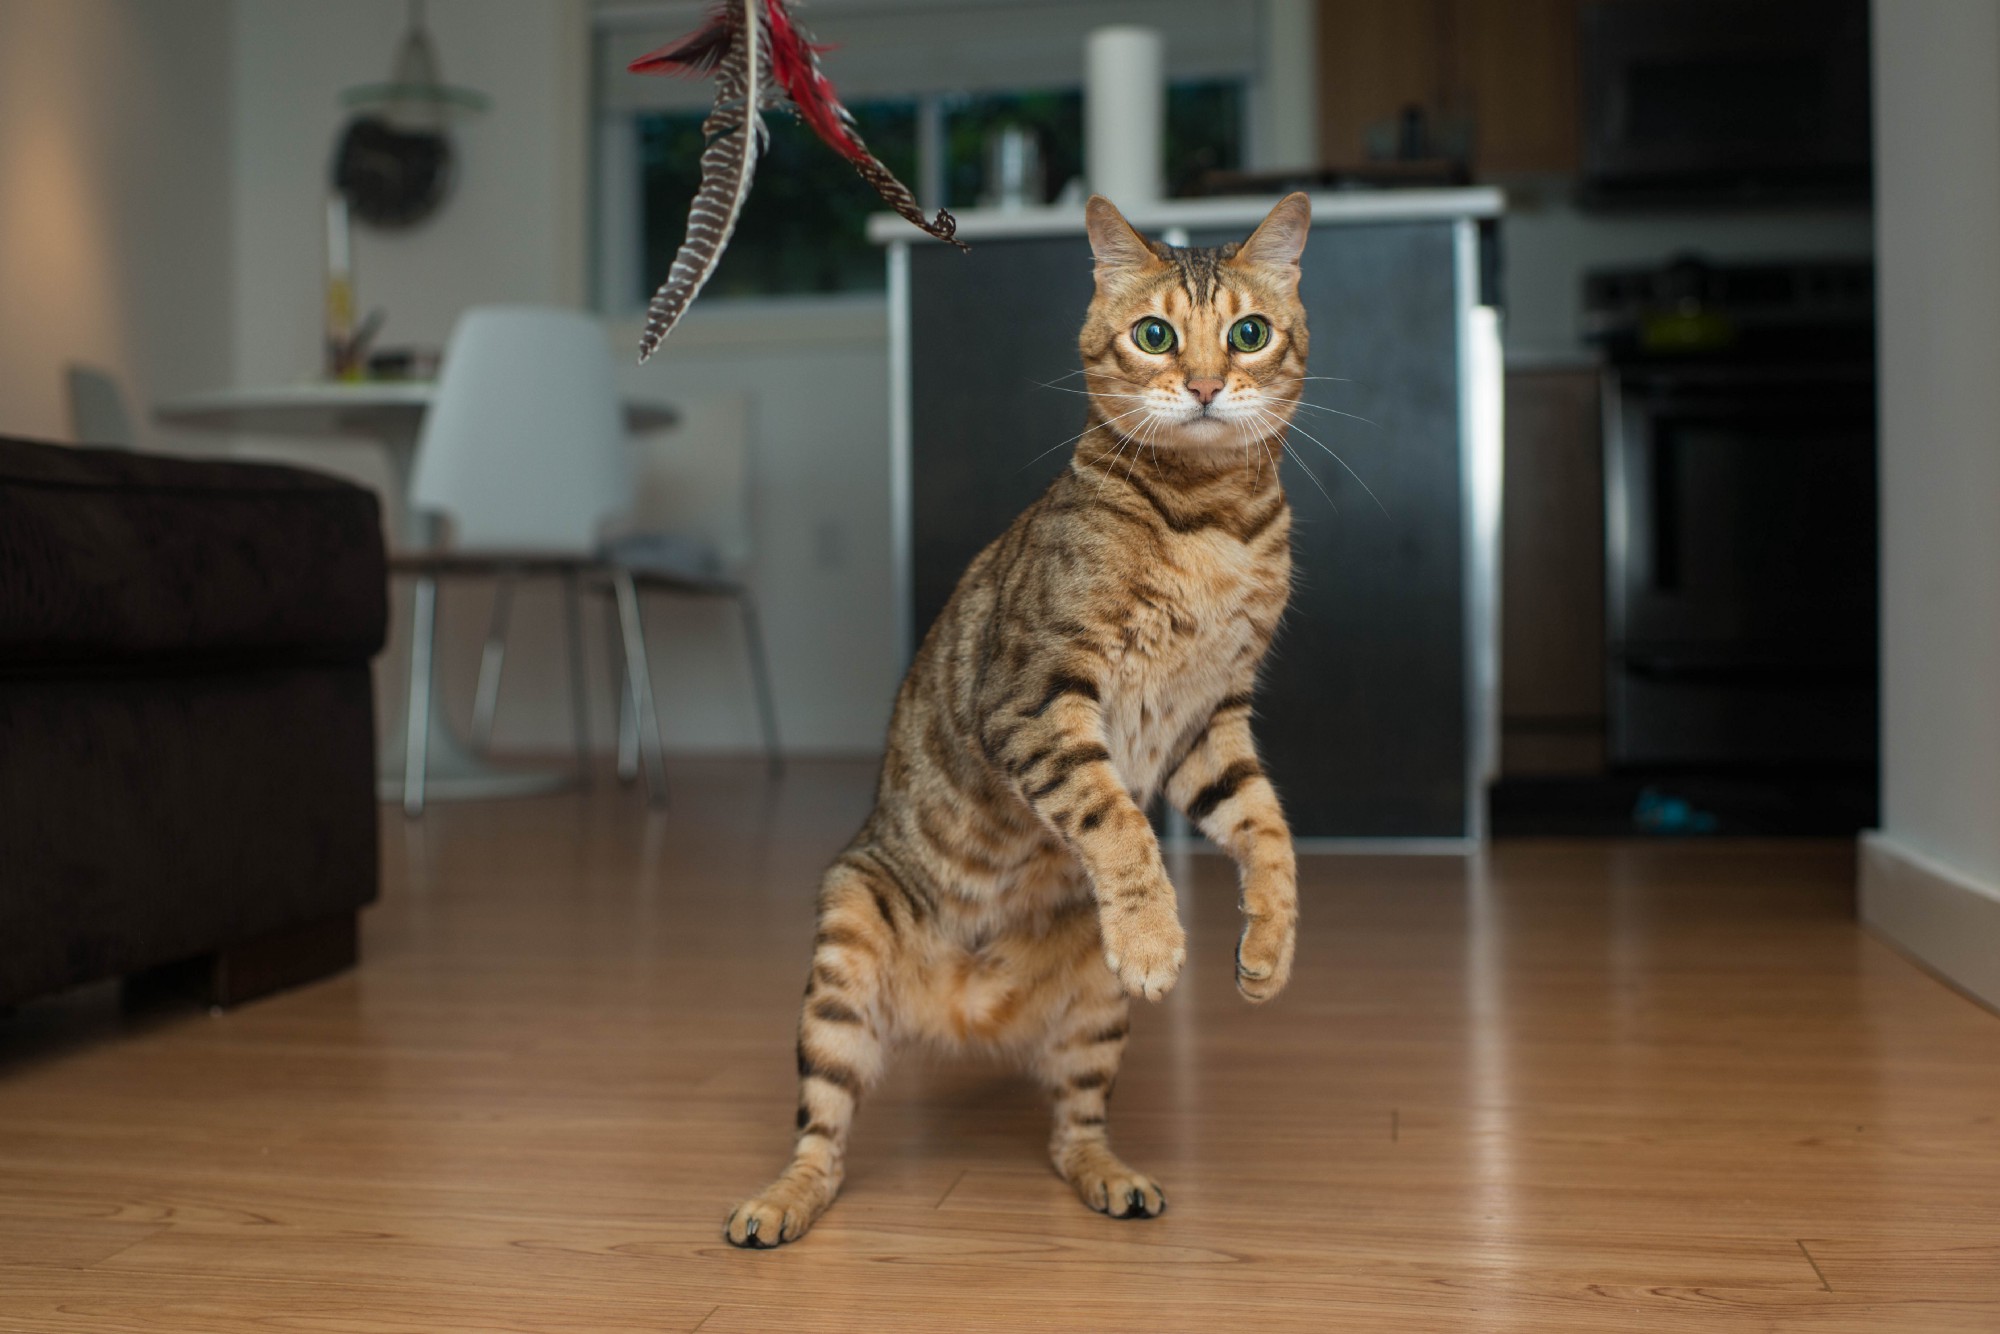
x,y
1007,890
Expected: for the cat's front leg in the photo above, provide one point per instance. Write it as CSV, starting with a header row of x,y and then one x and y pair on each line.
x,y
1219,785
1053,748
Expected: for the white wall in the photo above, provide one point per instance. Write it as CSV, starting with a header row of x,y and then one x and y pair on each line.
x,y
114,181
512,230
1937,110
515,231
819,384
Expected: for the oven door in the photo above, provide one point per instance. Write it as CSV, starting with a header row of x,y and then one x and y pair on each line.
x,y
1741,550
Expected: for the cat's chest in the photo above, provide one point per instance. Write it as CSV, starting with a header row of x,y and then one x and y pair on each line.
x,y
1190,632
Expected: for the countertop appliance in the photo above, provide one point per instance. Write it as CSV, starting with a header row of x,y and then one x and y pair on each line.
x,y
1740,514
1719,101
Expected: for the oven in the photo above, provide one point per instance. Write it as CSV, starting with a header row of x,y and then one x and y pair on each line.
x,y
1740,514
1741,551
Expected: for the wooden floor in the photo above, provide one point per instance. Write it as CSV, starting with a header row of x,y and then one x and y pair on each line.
x,y
1605,1087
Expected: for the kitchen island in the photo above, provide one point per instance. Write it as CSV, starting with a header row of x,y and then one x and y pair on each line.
x,y
1376,711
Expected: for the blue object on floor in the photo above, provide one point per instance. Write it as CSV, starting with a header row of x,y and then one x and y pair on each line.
x,y
1659,813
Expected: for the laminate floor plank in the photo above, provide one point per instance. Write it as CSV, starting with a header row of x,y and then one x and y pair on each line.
x,y
1564,1086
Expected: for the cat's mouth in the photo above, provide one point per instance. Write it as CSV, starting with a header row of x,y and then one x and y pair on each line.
x,y
1212,413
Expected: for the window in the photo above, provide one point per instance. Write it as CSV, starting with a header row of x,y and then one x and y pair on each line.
x,y
804,228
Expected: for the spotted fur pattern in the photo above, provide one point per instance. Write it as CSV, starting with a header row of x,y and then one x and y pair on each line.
x,y
1007,892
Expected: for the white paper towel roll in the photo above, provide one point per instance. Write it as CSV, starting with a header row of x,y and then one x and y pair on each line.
x,y
1124,114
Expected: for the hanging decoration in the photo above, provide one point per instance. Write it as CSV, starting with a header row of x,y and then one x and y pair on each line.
x,y
394,163
761,60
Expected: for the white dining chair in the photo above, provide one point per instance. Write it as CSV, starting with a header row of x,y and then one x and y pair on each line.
x,y
97,411
524,452
693,539
690,537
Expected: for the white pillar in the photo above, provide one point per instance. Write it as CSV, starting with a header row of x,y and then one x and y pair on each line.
x,y
1932,877
1284,129
1125,115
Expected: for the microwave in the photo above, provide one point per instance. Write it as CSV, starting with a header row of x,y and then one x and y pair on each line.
x,y
1725,102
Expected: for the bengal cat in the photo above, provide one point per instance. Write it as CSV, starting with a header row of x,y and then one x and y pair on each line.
x,y
1007,890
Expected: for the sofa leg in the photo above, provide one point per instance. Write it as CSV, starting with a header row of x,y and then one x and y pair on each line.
x,y
250,969
283,959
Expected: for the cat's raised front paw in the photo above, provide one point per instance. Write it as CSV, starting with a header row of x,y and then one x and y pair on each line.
x,y
1146,948
1264,957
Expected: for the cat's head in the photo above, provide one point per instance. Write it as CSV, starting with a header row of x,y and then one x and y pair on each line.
x,y
1195,348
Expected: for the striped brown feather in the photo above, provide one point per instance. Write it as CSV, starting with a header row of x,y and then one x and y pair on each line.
x,y
735,132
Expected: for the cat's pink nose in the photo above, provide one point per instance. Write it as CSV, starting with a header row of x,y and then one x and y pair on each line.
x,y
1205,389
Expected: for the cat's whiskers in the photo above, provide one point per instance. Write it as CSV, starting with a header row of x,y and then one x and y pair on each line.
x,y
1286,446
1085,370
1111,467
1091,393
1151,434
1321,407
1343,463
1078,436
1123,440
1243,440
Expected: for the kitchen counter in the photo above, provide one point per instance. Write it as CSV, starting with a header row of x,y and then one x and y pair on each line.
x,y
1329,208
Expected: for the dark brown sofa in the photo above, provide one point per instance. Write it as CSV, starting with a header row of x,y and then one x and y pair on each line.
x,y
186,722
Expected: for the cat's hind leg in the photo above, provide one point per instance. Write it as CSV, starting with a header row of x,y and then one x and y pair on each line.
x,y
864,916
1078,1063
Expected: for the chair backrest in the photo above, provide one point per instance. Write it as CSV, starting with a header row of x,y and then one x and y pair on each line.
x,y
524,446
695,477
97,412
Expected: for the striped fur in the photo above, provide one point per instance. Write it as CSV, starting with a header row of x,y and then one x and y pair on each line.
x,y
1007,891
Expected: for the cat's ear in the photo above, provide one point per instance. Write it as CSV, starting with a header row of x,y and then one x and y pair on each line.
x,y
1117,248
1280,238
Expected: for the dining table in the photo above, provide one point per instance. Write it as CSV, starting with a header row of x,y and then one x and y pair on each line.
x,y
387,415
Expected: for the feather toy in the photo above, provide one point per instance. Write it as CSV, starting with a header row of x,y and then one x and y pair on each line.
x,y
760,60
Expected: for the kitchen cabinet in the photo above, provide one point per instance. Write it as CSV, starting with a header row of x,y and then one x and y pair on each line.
x,y
1510,69
1552,672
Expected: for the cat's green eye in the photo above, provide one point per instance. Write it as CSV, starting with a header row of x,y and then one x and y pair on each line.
x,y
1153,335
1249,334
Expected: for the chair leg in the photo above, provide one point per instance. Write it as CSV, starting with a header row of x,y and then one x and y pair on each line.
x,y
579,701
760,675
621,690
492,661
641,676
417,721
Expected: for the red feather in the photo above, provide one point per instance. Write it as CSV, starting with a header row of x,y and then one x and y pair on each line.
x,y
759,59
696,53
795,65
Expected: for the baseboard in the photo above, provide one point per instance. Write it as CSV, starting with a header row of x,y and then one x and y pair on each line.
x,y
1943,918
